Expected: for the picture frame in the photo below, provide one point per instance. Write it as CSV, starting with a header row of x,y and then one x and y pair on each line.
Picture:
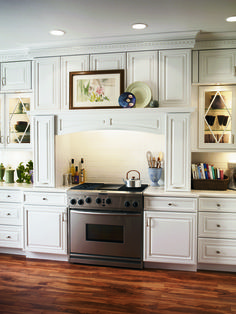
x,y
95,89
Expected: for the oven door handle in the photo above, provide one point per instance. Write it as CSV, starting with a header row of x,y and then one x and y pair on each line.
x,y
106,213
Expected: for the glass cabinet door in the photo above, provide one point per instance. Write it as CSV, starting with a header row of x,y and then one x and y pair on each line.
x,y
216,119
18,119
1,119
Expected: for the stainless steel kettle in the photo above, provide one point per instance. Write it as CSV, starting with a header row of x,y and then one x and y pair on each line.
x,y
133,182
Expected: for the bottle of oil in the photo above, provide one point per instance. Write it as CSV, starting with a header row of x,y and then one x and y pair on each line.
x,y
82,171
72,169
76,177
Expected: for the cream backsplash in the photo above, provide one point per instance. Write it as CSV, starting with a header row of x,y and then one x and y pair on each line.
x,y
108,155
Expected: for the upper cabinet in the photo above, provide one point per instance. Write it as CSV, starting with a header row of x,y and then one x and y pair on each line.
x,y
108,61
175,77
217,122
47,94
15,120
215,66
16,76
71,64
143,66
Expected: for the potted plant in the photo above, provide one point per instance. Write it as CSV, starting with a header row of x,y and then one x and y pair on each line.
x,y
20,170
29,172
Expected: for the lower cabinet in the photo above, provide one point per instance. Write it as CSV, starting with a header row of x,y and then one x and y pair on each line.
x,y
45,217
217,232
45,229
170,236
11,219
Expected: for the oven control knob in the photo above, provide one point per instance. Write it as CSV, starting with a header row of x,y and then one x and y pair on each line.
x,y
80,202
135,204
108,201
73,201
98,200
127,204
88,200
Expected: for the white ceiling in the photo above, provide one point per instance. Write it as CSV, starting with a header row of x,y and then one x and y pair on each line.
x,y
26,23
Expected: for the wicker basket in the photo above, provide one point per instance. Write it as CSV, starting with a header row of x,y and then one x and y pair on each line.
x,y
218,185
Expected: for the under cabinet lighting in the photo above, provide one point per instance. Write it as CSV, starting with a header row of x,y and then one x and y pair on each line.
x,y
57,32
139,26
231,19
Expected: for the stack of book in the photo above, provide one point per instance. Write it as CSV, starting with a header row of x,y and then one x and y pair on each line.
x,y
206,171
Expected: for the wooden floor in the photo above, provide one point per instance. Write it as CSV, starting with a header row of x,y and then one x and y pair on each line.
x,y
36,286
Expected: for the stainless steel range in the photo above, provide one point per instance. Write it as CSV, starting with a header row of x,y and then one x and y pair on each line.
x,y
106,225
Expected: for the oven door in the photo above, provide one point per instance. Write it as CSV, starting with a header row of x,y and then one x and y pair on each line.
x,y
106,234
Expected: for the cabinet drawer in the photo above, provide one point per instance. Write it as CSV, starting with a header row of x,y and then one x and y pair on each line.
x,y
217,251
11,236
170,204
11,214
217,225
40,198
13,196
217,204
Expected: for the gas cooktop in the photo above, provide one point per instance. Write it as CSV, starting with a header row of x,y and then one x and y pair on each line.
x,y
108,187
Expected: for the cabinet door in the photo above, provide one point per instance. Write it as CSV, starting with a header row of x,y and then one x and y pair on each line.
x,y
143,66
48,84
2,120
70,64
16,76
18,120
108,61
45,229
217,117
178,161
175,77
170,237
217,66
44,161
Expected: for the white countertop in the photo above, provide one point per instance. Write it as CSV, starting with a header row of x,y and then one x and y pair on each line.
x,y
31,187
159,191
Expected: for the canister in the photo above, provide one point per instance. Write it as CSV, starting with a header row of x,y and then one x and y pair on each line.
x,y
10,175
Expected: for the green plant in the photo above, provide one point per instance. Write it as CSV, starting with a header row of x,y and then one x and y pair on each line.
x,y
20,170
28,171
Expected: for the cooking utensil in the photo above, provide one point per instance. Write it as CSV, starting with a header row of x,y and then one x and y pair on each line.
x,y
133,182
149,158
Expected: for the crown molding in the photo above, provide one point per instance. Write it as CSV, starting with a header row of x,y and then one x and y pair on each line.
x,y
218,40
105,45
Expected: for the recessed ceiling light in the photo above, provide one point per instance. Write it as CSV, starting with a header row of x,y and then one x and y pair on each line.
x,y
231,19
57,32
139,26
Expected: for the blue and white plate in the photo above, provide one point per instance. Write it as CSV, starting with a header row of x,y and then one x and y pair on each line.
x,y
127,100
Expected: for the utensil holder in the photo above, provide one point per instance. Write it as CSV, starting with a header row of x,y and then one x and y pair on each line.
x,y
155,175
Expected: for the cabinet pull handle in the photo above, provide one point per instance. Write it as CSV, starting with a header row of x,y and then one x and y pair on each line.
x,y
45,199
8,139
8,214
8,195
217,252
60,124
218,226
232,136
218,205
110,121
170,204
64,217
3,81
1,140
8,237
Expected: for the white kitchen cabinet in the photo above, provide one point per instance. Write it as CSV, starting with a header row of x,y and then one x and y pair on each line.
x,y
216,232
170,231
148,119
15,120
71,64
107,61
143,66
175,77
45,229
178,161
47,84
43,146
217,66
45,217
16,76
217,121
11,219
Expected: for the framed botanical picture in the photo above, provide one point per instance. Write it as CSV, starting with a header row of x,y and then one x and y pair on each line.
x,y
95,89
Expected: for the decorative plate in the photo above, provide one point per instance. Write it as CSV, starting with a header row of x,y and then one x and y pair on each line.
x,y
142,92
127,100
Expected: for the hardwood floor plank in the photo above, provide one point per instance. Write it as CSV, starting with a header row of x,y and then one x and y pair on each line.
x,y
39,286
